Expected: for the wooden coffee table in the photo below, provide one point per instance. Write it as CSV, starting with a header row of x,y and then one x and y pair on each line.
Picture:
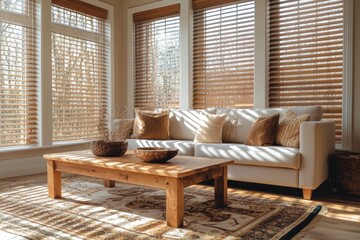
x,y
173,176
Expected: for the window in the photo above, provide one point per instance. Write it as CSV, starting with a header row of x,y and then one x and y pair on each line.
x,y
79,70
157,57
223,54
18,72
306,56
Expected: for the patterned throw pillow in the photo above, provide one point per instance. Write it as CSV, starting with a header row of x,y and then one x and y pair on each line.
x,y
289,129
151,125
263,131
210,128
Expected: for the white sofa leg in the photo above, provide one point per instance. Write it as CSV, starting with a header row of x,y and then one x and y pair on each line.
x,y
307,193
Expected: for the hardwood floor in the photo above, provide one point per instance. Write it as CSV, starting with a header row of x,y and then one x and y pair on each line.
x,y
341,220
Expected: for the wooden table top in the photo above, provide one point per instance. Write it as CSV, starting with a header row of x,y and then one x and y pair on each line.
x,y
179,166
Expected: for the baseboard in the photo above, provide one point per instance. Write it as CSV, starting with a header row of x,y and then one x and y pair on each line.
x,y
22,166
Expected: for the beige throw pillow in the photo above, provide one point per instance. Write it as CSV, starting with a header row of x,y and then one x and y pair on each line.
x,y
151,125
210,128
289,129
263,131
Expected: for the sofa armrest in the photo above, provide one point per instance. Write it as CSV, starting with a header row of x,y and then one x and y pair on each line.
x,y
317,141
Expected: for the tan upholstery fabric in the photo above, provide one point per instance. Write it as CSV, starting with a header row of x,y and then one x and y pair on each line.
x,y
123,128
263,131
289,129
151,125
210,128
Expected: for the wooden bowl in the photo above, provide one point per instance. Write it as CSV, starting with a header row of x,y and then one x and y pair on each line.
x,y
156,154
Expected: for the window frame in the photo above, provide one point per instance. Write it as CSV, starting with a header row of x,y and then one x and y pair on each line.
x,y
243,65
48,61
45,143
148,27
26,20
185,72
80,36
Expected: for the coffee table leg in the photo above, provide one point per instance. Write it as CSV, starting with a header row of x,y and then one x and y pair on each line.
x,y
220,185
174,202
54,180
109,183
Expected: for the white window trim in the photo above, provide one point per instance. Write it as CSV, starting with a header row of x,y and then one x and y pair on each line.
x,y
16,18
261,76
347,76
46,133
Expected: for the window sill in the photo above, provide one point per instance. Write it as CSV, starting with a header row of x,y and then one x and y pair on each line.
x,y
33,151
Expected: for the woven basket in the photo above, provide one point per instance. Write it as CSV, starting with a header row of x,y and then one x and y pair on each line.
x,y
108,149
345,172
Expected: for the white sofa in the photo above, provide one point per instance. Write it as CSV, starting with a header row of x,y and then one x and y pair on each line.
x,y
305,167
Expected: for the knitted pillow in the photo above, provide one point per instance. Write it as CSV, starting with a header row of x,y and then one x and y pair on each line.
x,y
289,129
210,128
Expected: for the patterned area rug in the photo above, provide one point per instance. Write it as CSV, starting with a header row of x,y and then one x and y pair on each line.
x,y
90,211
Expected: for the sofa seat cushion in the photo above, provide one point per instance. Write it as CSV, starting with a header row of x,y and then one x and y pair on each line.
x,y
269,156
185,147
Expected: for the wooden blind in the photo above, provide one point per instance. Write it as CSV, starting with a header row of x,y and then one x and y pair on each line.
x,y
79,74
223,56
157,60
82,7
306,55
18,73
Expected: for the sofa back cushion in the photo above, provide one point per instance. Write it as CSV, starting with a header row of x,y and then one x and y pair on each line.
x,y
239,121
242,120
185,123
314,111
